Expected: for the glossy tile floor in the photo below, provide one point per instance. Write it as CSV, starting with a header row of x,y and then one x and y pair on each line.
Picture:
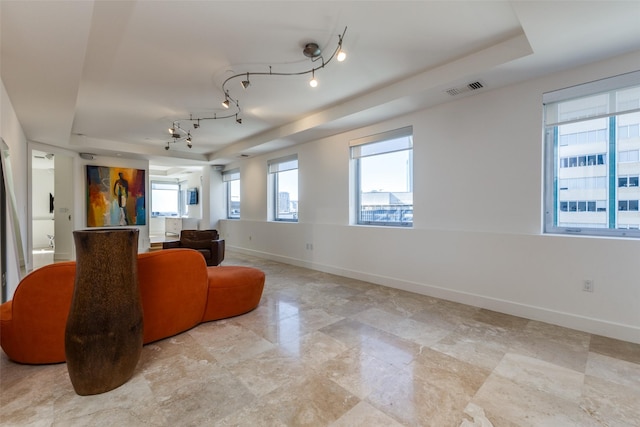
x,y
325,350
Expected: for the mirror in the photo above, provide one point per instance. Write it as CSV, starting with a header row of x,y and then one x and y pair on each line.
x,y
13,235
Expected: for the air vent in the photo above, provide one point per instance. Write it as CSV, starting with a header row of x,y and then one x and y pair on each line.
x,y
243,155
463,89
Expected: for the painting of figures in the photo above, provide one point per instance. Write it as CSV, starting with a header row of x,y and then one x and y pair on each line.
x,y
115,196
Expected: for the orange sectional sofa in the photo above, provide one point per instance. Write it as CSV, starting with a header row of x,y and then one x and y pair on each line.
x,y
177,289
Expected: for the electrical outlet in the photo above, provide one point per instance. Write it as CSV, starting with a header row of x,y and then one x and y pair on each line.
x,y
587,285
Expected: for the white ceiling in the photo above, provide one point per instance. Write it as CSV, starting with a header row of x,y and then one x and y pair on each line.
x,y
109,77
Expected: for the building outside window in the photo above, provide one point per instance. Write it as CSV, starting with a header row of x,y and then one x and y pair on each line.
x,y
592,158
168,199
283,188
232,180
383,172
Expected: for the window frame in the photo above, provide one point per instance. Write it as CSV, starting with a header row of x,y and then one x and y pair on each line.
x,y
404,136
554,160
228,177
274,168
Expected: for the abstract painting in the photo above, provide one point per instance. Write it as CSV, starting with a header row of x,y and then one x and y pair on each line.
x,y
115,196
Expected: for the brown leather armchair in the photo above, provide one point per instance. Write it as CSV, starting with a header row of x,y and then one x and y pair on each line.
x,y
207,242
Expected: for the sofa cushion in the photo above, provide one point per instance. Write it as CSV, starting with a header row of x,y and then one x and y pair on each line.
x,y
233,290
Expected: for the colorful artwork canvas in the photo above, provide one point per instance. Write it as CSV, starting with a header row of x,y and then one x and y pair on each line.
x,y
115,197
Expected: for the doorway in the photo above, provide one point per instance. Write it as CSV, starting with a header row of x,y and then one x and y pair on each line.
x,y
51,207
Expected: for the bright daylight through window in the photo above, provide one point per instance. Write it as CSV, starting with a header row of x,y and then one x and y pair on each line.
x,y
283,179
232,181
384,178
592,158
167,199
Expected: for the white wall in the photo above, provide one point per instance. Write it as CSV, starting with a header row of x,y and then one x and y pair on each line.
x,y
194,180
13,135
478,169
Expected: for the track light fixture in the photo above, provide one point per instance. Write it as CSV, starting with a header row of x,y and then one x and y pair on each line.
x,y
311,50
313,82
245,83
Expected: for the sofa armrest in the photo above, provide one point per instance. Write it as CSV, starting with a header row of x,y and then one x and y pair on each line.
x,y
171,244
217,252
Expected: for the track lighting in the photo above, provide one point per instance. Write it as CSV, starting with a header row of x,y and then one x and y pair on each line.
x,y
311,50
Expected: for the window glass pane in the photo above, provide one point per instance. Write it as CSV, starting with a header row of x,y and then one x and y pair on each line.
x,y
233,199
287,195
164,199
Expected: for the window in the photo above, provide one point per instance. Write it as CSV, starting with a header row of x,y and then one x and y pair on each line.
x,y
283,183
592,158
383,166
232,180
167,199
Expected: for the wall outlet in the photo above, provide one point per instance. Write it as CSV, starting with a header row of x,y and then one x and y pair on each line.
x,y
587,285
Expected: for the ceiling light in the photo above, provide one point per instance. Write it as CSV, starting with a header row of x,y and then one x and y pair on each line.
x,y
313,82
225,103
238,120
341,55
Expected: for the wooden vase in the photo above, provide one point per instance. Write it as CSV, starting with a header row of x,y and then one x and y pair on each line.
x,y
104,332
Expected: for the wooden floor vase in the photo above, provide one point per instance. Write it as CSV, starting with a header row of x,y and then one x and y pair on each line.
x,y
104,332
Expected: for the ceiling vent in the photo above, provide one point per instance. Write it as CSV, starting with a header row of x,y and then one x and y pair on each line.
x,y
463,89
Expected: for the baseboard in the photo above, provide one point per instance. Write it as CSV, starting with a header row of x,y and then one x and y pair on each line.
x,y
568,320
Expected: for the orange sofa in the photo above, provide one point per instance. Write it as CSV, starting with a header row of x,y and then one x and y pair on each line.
x,y
177,289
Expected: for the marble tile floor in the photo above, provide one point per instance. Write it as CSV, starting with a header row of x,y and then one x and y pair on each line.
x,y
323,350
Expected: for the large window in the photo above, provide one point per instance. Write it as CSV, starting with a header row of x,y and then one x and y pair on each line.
x,y
167,199
283,184
232,181
383,166
591,158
